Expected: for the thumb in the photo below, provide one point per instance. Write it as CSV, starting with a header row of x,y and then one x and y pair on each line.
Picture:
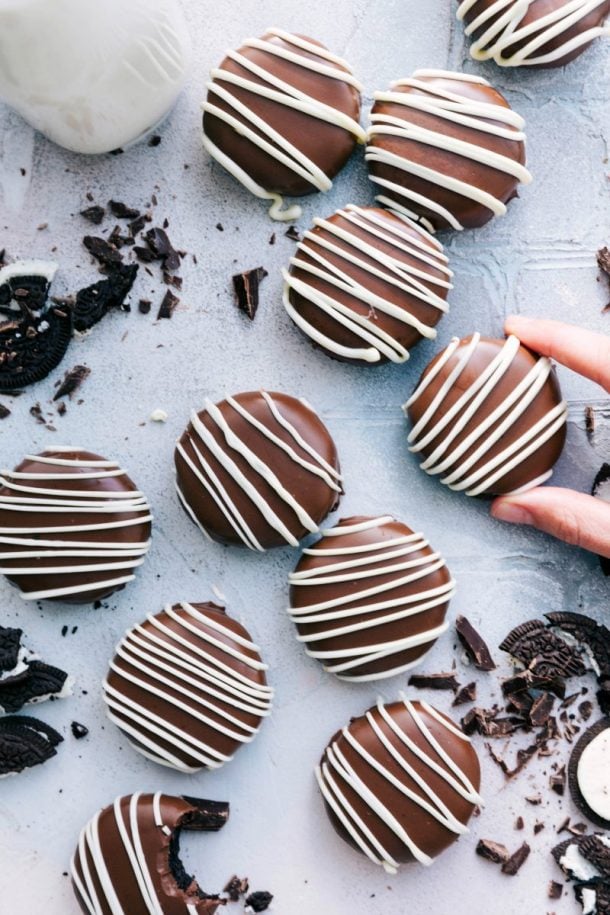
x,y
570,516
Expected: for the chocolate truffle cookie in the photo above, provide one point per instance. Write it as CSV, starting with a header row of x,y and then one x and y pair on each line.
x,y
369,599
188,687
281,115
127,859
259,469
366,285
488,415
400,783
446,148
589,773
73,526
532,33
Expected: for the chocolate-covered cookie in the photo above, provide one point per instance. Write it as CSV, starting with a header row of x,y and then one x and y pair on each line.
x,y
400,783
259,469
73,526
366,285
445,148
281,115
487,416
127,858
188,687
369,599
534,33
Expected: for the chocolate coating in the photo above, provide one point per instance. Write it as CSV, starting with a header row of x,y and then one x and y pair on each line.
x,y
531,49
369,599
127,856
259,469
188,687
497,420
437,138
292,135
400,783
366,285
73,526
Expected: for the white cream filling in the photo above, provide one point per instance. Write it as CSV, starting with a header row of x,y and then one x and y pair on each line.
x,y
593,774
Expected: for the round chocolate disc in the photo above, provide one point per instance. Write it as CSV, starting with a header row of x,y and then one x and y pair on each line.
x,y
545,33
188,687
369,599
445,148
400,783
73,526
488,417
127,857
366,285
281,115
259,469
589,773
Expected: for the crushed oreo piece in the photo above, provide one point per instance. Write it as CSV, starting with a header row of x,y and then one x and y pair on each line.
x,y
94,301
467,693
72,381
31,349
39,681
102,250
94,214
557,781
534,641
586,631
122,211
586,861
246,288
293,233
516,861
10,648
492,851
435,681
236,887
25,742
474,644
4,411
258,901
166,309
78,730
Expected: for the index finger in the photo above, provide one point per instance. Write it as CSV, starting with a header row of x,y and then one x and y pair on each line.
x,y
580,350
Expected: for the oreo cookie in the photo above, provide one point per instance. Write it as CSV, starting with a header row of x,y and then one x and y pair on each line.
x,y
25,742
586,861
24,678
589,773
94,301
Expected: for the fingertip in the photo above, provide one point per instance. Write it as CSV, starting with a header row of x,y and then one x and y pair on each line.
x,y
511,512
514,322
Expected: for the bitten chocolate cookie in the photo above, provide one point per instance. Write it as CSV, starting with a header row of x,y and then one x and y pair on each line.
x,y
73,526
488,417
127,858
532,33
366,285
369,599
400,783
589,773
281,115
259,469
445,148
188,687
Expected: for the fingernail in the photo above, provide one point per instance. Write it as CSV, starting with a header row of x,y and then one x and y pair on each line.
x,y
508,511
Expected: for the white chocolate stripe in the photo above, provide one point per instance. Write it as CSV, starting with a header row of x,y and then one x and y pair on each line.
x,y
489,118
258,131
335,768
433,423
507,30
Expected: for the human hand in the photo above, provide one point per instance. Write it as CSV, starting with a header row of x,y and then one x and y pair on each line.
x,y
571,516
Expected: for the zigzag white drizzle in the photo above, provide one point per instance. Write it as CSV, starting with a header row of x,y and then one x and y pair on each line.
x,y
133,835
30,500
203,441
345,564
507,30
413,279
457,109
272,142
446,459
336,769
184,662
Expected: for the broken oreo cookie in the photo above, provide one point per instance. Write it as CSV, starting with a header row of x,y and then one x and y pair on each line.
x,y
586,860
94,301
589,773
24,678
25,742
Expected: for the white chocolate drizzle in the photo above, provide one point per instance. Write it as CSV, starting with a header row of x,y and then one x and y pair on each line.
x,y
344,614
502,28
448,458
335,769
31,501
132,830
196,663
246,123
203,443
415,279
495,120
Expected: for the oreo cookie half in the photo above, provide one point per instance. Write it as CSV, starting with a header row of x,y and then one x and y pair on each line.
x,y
589,773
25,742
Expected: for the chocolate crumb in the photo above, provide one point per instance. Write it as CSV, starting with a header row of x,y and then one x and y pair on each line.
x,y
79,730
563,825
516,861
166,309
534,799
557,781
72,381
293,233
589,422
259,901
272,239
555,890
246,287
467,693
603,260
220,227
475,646
122,211
94,214
144,306
538,827
519,823
4,411
492,851
154,140
102,250
236,887
585,709
36,412
435,681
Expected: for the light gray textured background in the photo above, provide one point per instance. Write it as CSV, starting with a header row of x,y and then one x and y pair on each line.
x,y
539,260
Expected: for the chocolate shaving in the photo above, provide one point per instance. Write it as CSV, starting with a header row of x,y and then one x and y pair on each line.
x,y
122,211
25,742
236,887
541,709
94,214
516,861
72,381
467,693
435,681
258,901
492,851
555,890
102,250
246,289
486,722
557,781
166,309
162,249
474,644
